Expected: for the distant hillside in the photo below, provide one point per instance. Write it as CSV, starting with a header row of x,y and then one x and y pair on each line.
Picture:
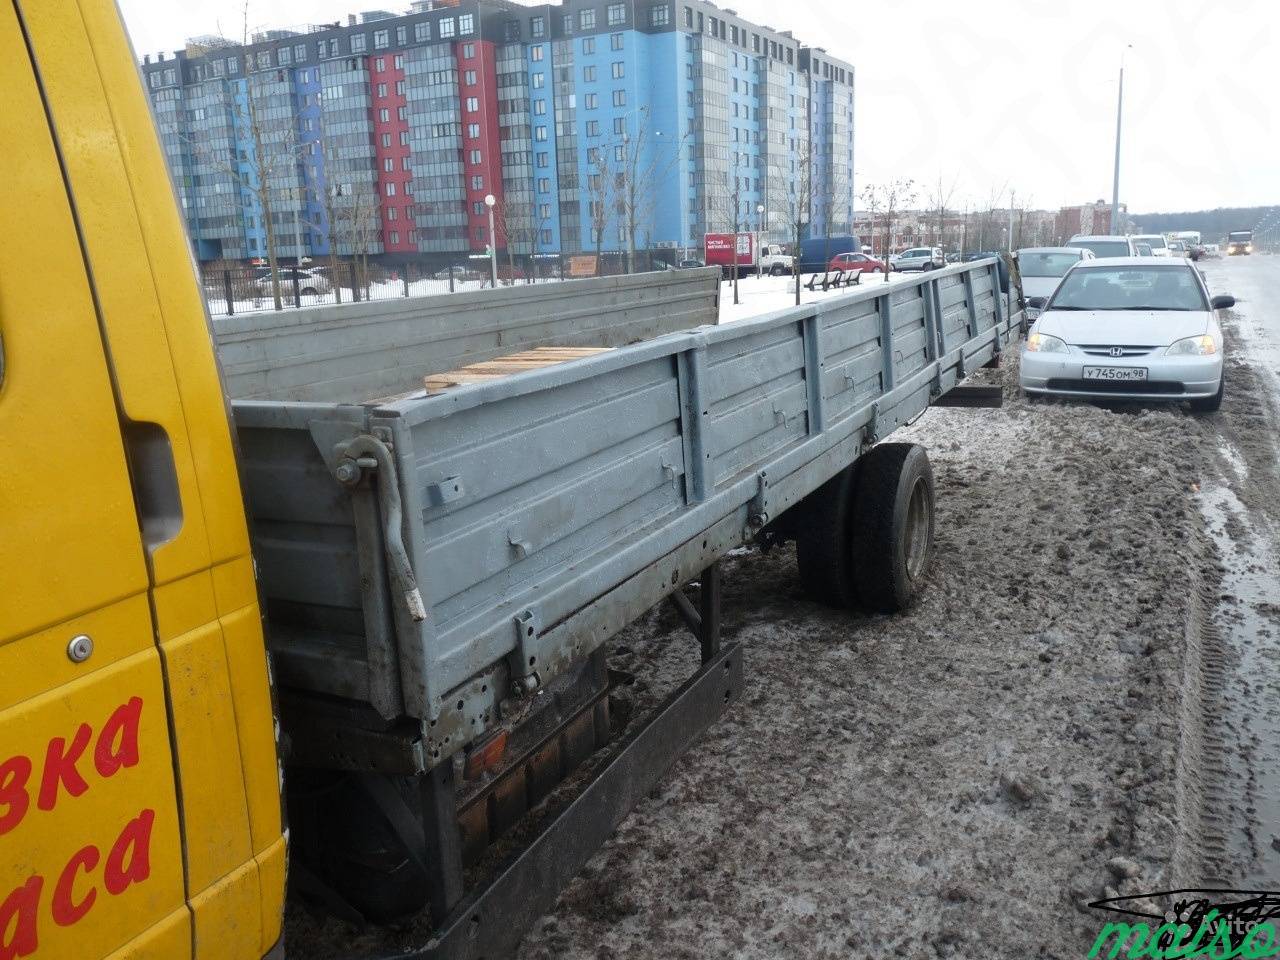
x,y
1212,224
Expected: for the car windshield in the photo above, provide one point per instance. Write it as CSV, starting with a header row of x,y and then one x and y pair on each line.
x,y
1154,242
1046,264
1103,248
1129,288
1238,237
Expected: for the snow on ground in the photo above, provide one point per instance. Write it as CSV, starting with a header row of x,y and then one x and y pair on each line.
x,y
760,295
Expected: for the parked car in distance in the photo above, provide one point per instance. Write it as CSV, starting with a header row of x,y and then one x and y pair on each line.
x,y
1104,246
816,252
311,281
1141,249
1041,270
918,258
458,271
1177,248
1156,241
1212,250
692,263
855,261
1128,327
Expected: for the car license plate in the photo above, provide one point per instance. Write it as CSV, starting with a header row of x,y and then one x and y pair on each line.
x,y
1115,373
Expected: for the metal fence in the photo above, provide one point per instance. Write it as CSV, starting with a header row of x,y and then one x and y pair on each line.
x,y
229,290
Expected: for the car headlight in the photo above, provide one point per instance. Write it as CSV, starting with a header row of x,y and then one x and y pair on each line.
x,y
1044,343
1201,346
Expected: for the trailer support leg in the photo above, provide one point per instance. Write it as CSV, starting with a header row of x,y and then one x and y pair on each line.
x,y
443,840
705,620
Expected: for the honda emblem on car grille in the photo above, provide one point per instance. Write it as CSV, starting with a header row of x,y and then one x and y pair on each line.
x,y
1116,351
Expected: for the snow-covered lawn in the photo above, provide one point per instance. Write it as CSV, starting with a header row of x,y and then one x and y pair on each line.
x,y
766,294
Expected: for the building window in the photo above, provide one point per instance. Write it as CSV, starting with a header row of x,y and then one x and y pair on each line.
x,y
473,131
384,115
391,188
511,31
619,126
688,17
391,213
476,157
538,81
381,39
615,41
477,183
400,88
539,108
284,56
568,23
395,236
300,53
333,47
473,104
593,128
386,140
619,154
535,52
380,64
401,36
660,16
543,160
468,51
540,134
477,208
589,45
466,24
619,98
618,70
538,27
382,89
589,74
617,13
388,165
398,62
590,101
544,185
587,19
593,155
469,78
422,31
358,43
402,114
447,27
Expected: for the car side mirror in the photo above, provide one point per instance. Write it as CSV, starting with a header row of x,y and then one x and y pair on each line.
x,y
1223,301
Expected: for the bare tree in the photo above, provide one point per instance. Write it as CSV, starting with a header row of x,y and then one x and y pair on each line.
x,y
358,221
600,189
795,173
644,163
939,199
891,196
724,201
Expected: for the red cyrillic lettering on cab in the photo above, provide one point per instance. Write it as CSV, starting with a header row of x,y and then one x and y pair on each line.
x,y
64,908
134,840
18,929
14,799
60,767
108,755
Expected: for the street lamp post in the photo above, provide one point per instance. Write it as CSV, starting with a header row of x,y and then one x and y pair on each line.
x,y
489,201
1115,182
759,237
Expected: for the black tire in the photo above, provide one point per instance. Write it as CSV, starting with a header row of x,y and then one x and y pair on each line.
x,y
308,291
893,524
823,530
776,270
1210,404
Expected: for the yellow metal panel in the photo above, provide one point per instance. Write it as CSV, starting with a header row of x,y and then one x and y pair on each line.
x,y
168,939
228,919
256,723
138,347
272,871
90,852
57,414
214,811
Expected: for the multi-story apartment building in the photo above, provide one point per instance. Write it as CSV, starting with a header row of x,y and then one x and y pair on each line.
x,y
594,124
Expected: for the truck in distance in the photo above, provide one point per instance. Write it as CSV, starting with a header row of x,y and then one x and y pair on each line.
x,y
1239,243
729,251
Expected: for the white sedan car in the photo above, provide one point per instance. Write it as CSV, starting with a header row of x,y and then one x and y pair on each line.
x,y
1136,328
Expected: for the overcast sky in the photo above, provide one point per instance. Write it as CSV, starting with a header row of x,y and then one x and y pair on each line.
x,y
992,95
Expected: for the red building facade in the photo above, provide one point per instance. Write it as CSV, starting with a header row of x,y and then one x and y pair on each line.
x,y
481,138
391,144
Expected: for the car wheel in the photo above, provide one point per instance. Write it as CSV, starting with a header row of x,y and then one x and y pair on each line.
x,y
308,291
1210,404
893,524
775,270
877,269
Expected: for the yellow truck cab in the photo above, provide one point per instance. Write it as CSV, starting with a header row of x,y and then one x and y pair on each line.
x,y
140,811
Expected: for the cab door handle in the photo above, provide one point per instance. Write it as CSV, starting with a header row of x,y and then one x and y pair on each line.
x,y
155,482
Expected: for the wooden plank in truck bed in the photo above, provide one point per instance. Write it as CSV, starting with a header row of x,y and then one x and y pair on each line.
x,y
506,366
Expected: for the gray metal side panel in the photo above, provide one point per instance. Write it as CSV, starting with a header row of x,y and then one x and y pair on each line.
x,y
362,351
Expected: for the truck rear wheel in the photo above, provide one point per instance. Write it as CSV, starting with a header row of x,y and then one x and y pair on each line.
x,y
893,523
865,538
